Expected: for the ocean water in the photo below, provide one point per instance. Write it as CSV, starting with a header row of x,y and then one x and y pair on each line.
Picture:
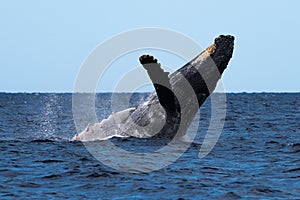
x,y
256,157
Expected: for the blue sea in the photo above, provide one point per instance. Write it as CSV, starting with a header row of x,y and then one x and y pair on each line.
x,y
256,157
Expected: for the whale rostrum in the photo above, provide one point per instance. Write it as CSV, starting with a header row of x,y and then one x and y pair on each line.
x,y
169,110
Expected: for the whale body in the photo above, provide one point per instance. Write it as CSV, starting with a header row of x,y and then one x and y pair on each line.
x,y
169,110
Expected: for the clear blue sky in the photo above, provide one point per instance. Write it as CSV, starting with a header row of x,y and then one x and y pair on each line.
x,y
43,43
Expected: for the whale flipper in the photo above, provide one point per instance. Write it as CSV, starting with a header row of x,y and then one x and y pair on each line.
x,y
161,82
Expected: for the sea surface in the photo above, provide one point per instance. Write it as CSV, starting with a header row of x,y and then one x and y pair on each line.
x,y
256,157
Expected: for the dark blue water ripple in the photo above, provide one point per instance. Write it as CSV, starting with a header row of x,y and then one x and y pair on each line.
x,y
257,156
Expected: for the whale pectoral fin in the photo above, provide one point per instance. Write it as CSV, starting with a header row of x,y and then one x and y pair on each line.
x,y
155,72
147,59
161,82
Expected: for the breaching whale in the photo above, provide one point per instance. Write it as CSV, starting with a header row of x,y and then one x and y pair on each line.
x,y
169,110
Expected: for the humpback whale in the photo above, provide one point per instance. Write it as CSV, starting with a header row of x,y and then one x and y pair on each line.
x,y
169,110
